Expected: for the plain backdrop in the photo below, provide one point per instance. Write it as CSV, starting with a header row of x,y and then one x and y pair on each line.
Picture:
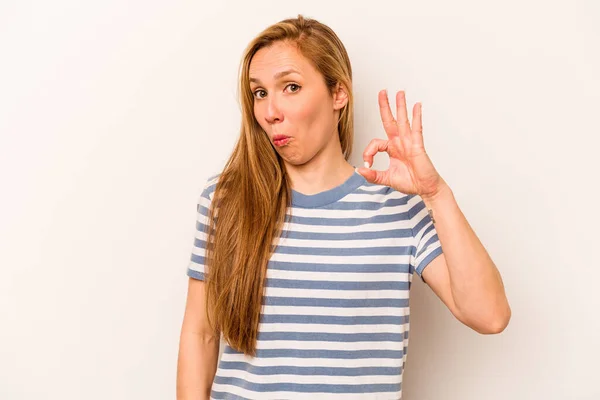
x,y
113,114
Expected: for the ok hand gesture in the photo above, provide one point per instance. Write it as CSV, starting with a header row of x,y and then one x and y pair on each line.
x,y
410,171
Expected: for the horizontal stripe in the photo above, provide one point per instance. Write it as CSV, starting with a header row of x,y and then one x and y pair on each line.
x,y
359,235
276,376
305,388
198,255
238,390
337,268
333,285
374,190
338,276
367,204
350,229
314,345
335,328
332,311
349,251
396,218
195,274
342,259
215,395
337,294
333,337
300,371
322,354
343,244
337,303
334,320
365,210
384,197
312,362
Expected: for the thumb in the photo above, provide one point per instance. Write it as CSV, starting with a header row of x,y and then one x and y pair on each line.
x,y
373,175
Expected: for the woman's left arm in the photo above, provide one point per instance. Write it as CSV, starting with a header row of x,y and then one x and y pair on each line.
x,y
464,277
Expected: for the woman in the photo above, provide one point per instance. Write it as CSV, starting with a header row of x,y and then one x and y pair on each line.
x,y
303,263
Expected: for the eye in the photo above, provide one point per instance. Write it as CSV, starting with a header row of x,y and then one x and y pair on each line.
x,y
295,85
258,91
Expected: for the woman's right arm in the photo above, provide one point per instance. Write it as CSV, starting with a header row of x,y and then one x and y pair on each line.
x,y
198,347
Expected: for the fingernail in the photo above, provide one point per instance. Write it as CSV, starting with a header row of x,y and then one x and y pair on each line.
x,y
367,164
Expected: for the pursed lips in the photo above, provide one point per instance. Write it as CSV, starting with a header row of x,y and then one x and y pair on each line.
x,y
280,140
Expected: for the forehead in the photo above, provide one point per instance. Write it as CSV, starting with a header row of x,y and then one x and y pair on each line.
x,y
278,57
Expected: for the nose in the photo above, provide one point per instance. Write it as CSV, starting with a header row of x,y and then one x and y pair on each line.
x,y
273,114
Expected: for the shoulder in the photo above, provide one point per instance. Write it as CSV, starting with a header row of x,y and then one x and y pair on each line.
x,y
384,194
210,186
207,192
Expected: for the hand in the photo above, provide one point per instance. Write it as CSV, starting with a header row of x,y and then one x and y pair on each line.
x,y
410,171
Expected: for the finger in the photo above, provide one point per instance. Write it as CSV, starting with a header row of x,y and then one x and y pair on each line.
x,y
389,123
375,176
402,114
417,125
375,146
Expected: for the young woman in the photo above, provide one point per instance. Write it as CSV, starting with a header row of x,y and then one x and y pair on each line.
x,y
303,263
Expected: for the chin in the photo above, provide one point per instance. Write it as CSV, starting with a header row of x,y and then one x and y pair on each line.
x,y
294,158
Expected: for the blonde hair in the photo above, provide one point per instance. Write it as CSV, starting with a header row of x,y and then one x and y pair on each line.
x,y
253,191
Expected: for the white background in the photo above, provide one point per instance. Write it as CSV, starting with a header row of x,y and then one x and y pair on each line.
x,y
113,114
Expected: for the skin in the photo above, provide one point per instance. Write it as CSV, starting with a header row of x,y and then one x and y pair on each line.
x,y
299,105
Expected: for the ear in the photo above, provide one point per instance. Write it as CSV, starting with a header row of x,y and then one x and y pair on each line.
x,y
340,97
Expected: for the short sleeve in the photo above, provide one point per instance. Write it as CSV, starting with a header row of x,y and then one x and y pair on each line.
x,y
197,266
426,244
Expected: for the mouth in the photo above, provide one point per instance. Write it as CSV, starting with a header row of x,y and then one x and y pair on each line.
x,y
280,140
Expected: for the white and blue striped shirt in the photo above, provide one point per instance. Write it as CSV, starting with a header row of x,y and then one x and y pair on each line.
x,y
335,316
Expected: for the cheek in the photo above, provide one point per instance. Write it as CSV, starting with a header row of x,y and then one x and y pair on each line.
x,y
260,118
316,123
308,116
256,112
309,108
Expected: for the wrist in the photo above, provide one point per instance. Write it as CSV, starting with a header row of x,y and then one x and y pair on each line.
x,y
442,192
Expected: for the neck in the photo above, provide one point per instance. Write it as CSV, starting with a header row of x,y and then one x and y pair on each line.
x,y
326,170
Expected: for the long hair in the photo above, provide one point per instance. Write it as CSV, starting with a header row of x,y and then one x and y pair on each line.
x,y
253,192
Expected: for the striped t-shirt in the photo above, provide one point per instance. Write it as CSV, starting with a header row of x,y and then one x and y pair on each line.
x,y
335,316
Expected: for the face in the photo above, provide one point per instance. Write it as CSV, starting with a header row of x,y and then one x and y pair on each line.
x,y
292,103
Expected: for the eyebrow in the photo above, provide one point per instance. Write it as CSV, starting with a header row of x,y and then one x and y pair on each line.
x,y
277,75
